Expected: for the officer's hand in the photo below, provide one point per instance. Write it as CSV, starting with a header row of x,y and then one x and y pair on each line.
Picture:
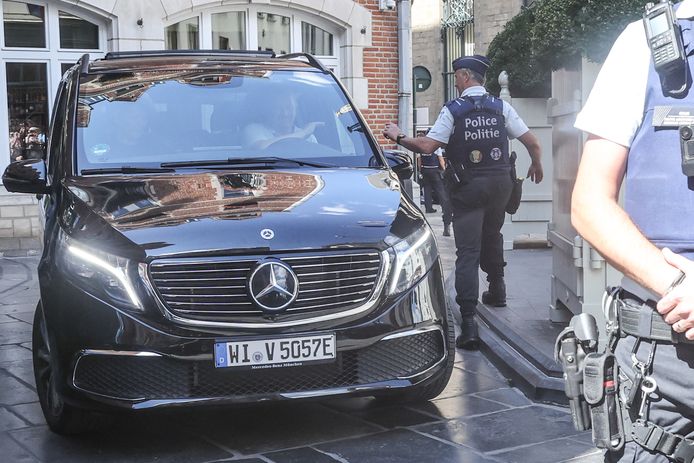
x,y
677,306
535,172
391,131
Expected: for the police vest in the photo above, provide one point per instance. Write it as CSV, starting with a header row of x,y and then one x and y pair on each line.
x,y
479,139
430,160
656,194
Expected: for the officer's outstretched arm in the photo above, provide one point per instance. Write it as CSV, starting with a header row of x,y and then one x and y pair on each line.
x,y
599,219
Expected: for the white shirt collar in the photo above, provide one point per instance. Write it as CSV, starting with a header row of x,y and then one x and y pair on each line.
x,y
477,89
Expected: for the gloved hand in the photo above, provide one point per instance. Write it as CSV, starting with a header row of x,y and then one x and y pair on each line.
x,y
420,177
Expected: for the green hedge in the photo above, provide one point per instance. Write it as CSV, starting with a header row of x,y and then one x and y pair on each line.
x,y
554,34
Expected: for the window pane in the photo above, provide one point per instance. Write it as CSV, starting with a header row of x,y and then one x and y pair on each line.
x,y
183,35
24,25
229,31
64,67
273,33
27,108
315,40
76,32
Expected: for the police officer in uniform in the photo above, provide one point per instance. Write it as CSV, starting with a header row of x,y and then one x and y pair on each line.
x,y
475,129
650,239
430,167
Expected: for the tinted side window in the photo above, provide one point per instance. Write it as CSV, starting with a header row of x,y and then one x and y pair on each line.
x,y
57,127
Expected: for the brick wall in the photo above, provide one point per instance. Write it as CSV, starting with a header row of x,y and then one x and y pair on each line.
x,y
381,69
19,221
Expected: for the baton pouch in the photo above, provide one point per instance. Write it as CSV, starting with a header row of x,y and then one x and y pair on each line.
x,y
600,389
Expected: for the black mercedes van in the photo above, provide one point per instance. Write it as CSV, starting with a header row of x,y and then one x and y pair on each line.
x,y
223,228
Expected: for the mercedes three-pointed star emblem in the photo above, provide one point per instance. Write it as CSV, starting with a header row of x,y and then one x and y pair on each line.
x,y
273,286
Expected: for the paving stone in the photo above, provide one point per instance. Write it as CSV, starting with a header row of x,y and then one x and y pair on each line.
x,y
130,443
457,407
6,319
13,452
289,425
549,452
596,457
9,420
12,353
13,391
301,455
505,429
15,333
7,309
509,396
30,412
479,365
462,382
27,317
394,417
21,369
400,446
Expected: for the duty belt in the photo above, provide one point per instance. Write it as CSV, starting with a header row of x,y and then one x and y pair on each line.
x,y
642,320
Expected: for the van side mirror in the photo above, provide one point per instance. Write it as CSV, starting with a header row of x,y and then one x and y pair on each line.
x,y
26,176
400,162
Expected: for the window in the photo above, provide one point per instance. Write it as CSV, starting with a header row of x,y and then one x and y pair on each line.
x,y
315,40
183,35
27,95
76,32
25,24
229,31
274,33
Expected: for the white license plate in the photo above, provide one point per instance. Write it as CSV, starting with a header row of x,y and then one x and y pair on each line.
x,y
275,353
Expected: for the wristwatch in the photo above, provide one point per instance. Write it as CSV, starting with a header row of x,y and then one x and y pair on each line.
x,y
399,137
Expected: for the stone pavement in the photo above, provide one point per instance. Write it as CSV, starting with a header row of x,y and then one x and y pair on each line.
x,y
480,417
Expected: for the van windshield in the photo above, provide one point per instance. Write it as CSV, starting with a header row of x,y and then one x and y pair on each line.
x,y
142,119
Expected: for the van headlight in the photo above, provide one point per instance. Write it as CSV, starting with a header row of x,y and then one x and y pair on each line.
x,y
412,258
101,274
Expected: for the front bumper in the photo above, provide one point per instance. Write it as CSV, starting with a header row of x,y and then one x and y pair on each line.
x,y
114,359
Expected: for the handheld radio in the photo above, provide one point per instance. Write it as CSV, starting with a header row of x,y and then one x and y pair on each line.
x,y
665,41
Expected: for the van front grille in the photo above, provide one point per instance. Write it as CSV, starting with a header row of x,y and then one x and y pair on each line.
x,y
216,288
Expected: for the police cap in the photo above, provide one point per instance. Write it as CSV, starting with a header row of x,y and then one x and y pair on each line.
x,y
477,63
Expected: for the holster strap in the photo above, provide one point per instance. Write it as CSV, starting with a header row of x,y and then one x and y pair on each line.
x,y
641,319
656,439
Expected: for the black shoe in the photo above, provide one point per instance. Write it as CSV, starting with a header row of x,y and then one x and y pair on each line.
x,y
429,211
446,229
496,296
469,338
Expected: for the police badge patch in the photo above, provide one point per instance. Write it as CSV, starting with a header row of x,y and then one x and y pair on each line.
x,y
475,156
495,154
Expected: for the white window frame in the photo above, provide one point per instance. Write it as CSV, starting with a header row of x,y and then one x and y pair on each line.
x,y
251,13
52,55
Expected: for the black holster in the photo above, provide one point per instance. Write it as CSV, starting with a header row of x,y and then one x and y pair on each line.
x,y
600,374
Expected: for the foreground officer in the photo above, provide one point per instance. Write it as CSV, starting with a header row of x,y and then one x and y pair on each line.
x,y
475,129
628,141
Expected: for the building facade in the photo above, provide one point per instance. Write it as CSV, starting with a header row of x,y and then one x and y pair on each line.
x,y
40,39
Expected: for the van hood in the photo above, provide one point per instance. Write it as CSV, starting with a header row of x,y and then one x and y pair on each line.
x,y
242,211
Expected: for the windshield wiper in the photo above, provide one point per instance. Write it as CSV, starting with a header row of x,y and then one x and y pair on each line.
x,y
239,161
126,170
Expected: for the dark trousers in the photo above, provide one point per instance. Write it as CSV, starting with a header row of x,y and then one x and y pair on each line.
x,y
673,404
478,215
431,181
